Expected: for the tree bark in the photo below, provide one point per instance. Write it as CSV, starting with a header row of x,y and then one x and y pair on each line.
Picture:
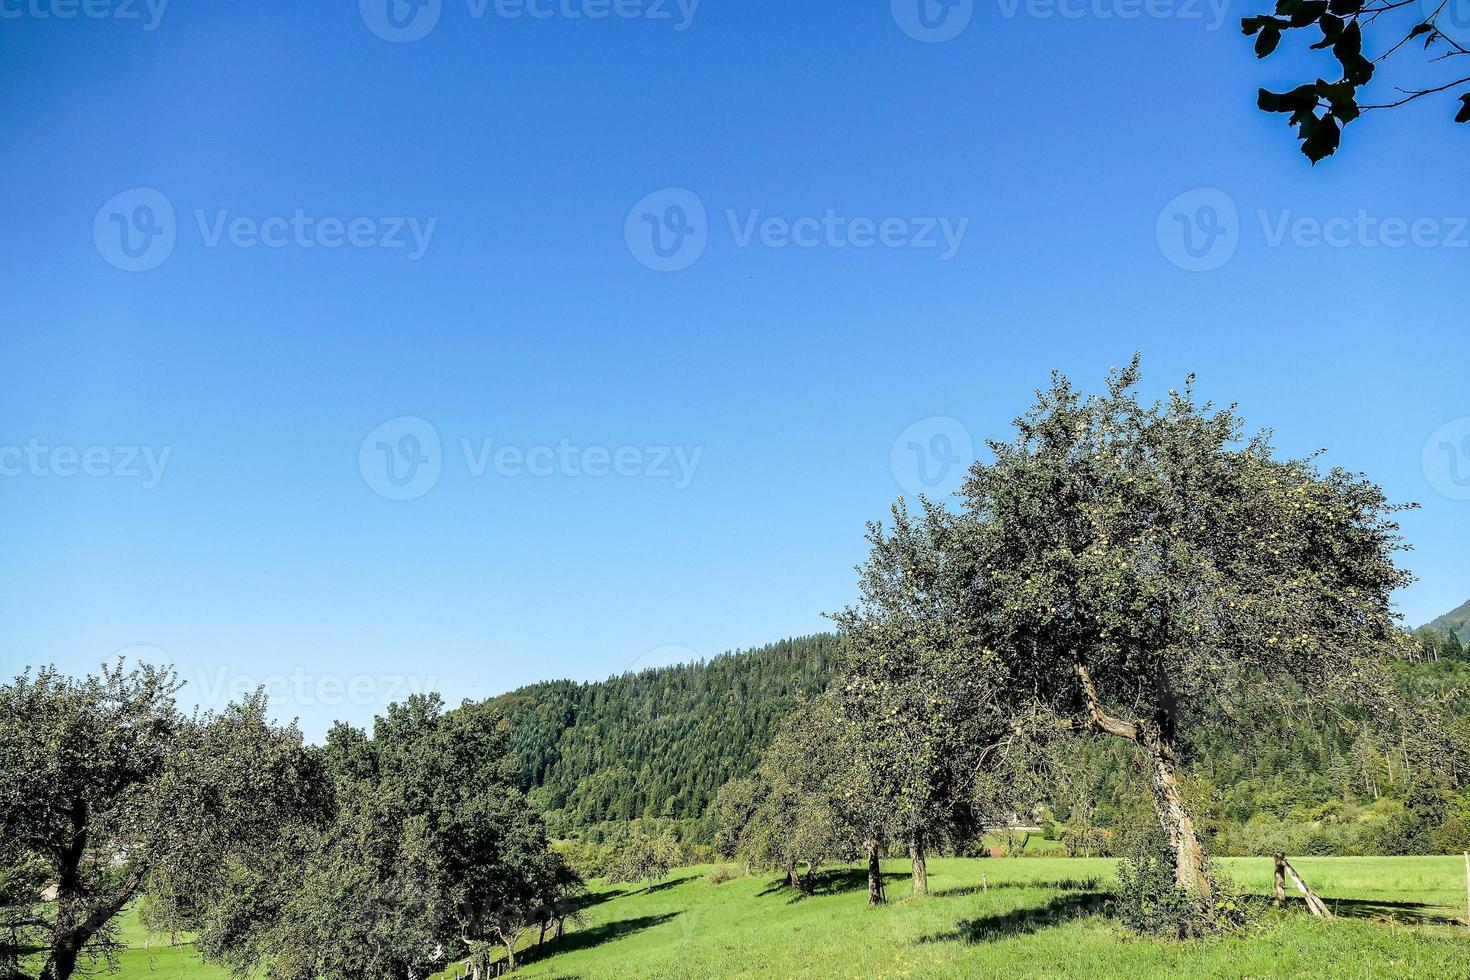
x,y
78,916
1157,741
921,867
1189,853
875,876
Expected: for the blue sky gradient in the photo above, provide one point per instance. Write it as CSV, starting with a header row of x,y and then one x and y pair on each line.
x,y
266,551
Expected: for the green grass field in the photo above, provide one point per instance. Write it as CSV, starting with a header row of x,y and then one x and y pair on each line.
x,y
1040,917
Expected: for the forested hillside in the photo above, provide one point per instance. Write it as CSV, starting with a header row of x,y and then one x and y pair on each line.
x,y
658,743
1456,621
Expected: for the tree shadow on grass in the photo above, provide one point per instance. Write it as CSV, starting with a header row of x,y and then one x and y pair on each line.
x,y
597,898
1412,913
1057,884
833,882
665,885
592,936
1024,921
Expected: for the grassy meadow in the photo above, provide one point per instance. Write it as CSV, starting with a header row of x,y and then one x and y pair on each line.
x,y
1025,917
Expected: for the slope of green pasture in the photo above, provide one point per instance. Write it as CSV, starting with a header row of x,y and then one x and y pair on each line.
x,y
1022,917
1039,917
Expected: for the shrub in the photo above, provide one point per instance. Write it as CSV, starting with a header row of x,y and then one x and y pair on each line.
x,y
723,873
1150,902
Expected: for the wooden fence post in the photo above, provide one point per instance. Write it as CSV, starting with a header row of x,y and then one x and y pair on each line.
x,y
1314,904
1467,889
1280,879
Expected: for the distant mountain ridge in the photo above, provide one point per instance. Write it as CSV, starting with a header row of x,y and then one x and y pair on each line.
x,y
1456,621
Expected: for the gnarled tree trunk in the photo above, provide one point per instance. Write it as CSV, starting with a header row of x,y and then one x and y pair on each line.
x,y
1179,829
1157,741
921,866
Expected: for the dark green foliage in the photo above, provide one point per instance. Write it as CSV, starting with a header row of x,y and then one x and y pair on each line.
x,y
106,788
1319,110
659,743
404,849
1149,902
1323,788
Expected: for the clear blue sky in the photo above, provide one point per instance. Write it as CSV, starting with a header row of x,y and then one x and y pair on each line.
x,y
532,317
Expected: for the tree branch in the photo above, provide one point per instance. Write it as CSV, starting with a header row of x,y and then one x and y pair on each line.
x,y
1101,721
1411,96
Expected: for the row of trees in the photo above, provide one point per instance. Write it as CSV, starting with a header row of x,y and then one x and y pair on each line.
x,y
376,856
1144,574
